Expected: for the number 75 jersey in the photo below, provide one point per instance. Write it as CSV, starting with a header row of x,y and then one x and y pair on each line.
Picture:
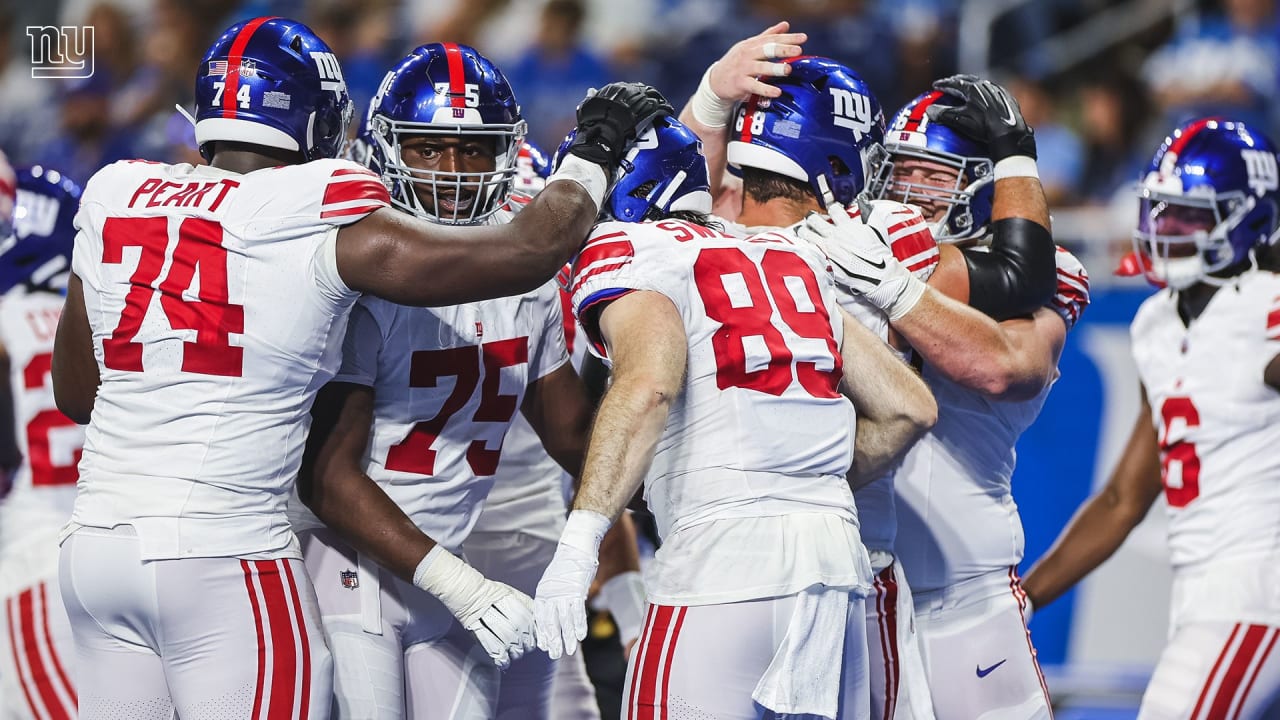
x,y
761,392
217,312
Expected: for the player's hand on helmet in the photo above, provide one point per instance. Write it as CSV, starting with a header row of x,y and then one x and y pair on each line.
x,y
609,118
500,616
737,74
990,116
560,602
862,261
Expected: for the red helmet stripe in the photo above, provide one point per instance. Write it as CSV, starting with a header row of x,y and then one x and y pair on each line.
x,y
1175,148
234,58
747,117
457,80
917,112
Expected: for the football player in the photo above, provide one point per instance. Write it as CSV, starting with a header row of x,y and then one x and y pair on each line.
x,y
37,655
1207,348
728,357
423,400
808,141
181,575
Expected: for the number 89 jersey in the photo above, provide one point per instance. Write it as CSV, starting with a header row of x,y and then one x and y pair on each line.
x,y
1217,422
761,395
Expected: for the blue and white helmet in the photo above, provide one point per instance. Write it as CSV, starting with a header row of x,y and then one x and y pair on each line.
x,y
38,253
447,90
271,81
825,129
967,201
1209,197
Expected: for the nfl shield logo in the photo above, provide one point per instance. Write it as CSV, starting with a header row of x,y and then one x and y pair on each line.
x,y
350,580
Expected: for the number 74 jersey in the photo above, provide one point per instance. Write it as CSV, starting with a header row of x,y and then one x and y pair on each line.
x,y
761,391
217,312
1217,422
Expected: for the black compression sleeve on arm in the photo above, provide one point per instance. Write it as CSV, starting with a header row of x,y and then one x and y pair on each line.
x,y
1019,275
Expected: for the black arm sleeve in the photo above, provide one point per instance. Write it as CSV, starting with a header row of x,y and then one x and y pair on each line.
x,y
1018,276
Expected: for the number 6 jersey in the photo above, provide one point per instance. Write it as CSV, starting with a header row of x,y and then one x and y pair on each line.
x,y
759,433
1218,423
217,312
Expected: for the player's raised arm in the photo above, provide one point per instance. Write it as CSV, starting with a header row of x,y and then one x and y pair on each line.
x,y
75,369
732,79
412,262
1101,525
894,405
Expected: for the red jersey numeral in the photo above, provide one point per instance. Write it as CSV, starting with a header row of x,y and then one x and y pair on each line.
x,y
40,430
1179,464
779,274
466,365
213,317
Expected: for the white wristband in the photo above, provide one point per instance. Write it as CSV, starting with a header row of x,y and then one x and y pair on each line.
x,y
1029,609
1017,166
590,176
453,582
708,108
907,300
584,530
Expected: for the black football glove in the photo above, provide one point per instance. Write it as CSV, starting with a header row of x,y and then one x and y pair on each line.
x,y
609,119
989,116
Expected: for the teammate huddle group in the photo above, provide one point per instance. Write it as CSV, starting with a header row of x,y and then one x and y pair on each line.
x,y
819,389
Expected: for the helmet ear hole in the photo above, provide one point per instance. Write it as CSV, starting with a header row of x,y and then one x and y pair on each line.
x,y
296,44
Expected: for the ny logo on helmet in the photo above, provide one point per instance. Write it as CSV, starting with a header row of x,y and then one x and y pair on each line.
x,y
852,111
1261,166
330,71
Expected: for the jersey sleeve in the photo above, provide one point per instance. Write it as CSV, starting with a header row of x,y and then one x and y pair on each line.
x,y
1273,324
361,347
908,235
549,351
330,193
608,268
1071,296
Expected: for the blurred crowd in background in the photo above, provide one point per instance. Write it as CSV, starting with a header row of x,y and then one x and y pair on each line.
x,y
1102,81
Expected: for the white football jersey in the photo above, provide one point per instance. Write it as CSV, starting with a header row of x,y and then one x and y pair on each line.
x,y
747,482
448,383
955,511
1218,423
217,312
44,484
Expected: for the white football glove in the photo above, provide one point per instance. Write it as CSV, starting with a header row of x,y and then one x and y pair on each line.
x,y
500,616
862,261
560,603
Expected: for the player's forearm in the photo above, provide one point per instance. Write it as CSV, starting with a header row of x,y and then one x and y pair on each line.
x,y
965,346
1018,274
365,517
628,425
1096,531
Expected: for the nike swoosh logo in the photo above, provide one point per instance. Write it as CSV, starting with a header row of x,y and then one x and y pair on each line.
x,y
1009,119
878,266
983,673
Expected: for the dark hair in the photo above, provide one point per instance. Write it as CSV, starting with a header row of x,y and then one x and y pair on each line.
x,y
573,12
763,185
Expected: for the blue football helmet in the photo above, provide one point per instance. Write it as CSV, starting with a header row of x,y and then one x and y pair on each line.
x,y
446,90
271,81
959,211
532,169
664,172
825,129
39,251
1210,196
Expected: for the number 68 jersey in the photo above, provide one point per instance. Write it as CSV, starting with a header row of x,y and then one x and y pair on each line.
x,y
1217,422
217,312
760,424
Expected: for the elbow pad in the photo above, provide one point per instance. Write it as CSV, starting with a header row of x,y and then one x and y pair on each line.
x,y
1018,275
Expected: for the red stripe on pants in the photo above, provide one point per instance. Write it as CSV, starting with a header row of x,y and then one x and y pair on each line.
x,y
284,660
647,701
1234,676
671,651
262,641
1257,670
305,700
889,639
11,613
40,676
640,653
